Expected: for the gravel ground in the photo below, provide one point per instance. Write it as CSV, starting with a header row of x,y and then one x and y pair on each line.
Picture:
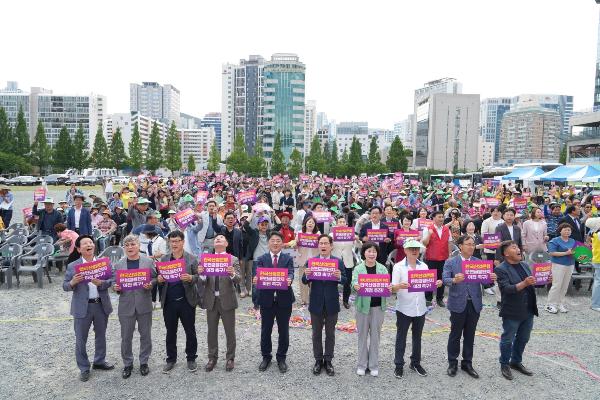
x,y
38,359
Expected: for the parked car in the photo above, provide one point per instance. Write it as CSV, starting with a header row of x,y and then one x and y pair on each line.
x,y
56,179
91,180
74,180
24,180
121,180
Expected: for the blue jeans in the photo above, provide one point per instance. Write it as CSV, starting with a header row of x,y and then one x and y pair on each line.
x,y
513,339
596,287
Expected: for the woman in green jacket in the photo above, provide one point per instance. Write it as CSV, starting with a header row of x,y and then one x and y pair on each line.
x,y
370,312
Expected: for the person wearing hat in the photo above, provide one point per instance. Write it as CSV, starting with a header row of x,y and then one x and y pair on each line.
x,y
286,230
465,301
169,223
257,245
138,212
593,225
79,218
47,218
6,205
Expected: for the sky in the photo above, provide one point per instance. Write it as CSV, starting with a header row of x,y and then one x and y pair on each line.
x,y
364,59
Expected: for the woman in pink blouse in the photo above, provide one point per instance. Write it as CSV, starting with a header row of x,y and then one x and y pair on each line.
x,y
66,238
535,232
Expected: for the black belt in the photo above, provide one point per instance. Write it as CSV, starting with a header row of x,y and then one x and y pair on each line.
x,y
96,300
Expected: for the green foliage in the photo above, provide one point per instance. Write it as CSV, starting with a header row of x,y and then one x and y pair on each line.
x,y
355,165
41,153
295,165
11,163
6,136
334,167
100,157
118,157
173,149
562,158
314,161
214,158
238,159
325,159
343,165
191,164
154,153
397,161
277,158
63,150
136,159
256,163
80,151
21,134
374,165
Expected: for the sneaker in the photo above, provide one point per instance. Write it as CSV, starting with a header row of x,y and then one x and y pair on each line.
x,y
374,372
490,291
551,309
360,372
399,372
168,367
562,308
418,369
192,366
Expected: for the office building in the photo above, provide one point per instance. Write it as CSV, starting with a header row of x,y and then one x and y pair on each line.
x,y
213,119
197,142
403,130
485,153
309,125
347,131
12,99
158,102
126,121
490,120
322,121
561,103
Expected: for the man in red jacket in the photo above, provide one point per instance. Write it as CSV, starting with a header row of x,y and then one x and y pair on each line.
x,y
438,242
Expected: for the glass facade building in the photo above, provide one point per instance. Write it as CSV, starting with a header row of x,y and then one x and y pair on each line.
x,y
490,120
214,120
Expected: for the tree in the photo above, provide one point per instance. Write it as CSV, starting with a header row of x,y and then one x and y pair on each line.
x,y
238,159
6,136
256,163
118,157
191,164
343,165
397,161
315,158
80,153
41,153
325,159
214,158
22,137
334,167
100,157
9,162
295,165
136,159
562,158
173,149
355,161
277,158
63,150
154,152
374,165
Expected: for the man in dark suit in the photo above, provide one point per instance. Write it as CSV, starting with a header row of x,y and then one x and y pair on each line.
x,y
375,214
220,302
507,230
324,307
275,304
79,218
464,304
90,304
518,306
178,302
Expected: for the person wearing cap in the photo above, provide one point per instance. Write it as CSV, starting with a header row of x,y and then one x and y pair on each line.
x,y
169,223
48,218
6,205
411,308
465,302
90,304
79,218
286,230
210,224
138,212
593,225
258,244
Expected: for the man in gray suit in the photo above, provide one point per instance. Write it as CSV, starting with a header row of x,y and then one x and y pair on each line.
x,y
464,304
220,301
135,306
90,304
212,224
178,302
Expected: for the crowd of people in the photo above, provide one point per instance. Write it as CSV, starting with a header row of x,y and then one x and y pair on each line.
x,y
396,226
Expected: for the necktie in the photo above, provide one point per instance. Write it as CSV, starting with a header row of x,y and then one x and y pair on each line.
x,y
217,283
149,248
275,261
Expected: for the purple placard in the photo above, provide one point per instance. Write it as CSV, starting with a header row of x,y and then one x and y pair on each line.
x,y
308,240
133,279
99,269
247,197
422,280
343,233
542,273
374,285
377,235
478,271
185,217
323,269
171,270
491,240
216,264
322,216
271,278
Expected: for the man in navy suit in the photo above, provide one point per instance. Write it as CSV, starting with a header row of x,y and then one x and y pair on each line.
x,y
324,307
275,304
375,214
79,218
464,304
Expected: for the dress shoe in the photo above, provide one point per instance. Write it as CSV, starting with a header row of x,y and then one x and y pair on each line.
x,y
346,305
210,365
498,305
127,372
264,364
104,366
506,372
329,368
229,365
399,372
440,303
168,367
452,370
521,368
192,366
144,370
318,367
468,368
418,369
282,366
84,376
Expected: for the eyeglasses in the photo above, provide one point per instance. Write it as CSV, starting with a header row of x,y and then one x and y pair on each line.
x,y
175,240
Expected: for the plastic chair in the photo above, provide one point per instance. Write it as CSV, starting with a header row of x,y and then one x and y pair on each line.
x,y
45,239
115,253
17,225
38,257
17,239
9,253
391,260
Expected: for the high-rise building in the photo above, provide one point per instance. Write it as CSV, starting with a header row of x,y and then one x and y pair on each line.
x,y
187,121
126,122
403,130
561,103
242,103
213,120
347,131
421,128
159,102
12,99
197,142
284,103
322,121
530,133
485,153
490,120
309,125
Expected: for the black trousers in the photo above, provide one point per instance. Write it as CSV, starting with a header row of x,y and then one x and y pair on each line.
x,y
348,285
403,322
439,266
173,312
318,322
268,316
462,324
